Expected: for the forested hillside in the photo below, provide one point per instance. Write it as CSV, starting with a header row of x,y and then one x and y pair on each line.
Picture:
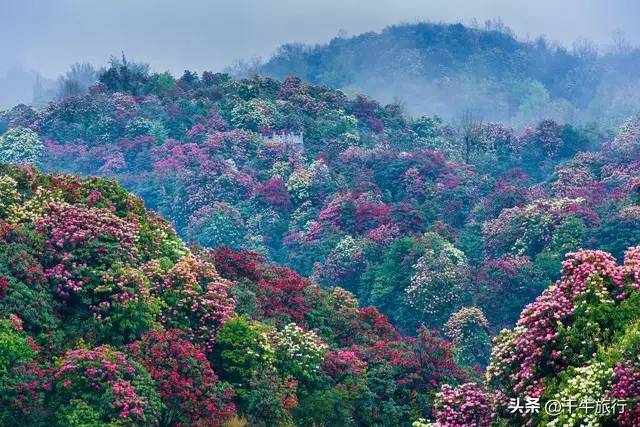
x,y
108,319
305,204
400,211
448,69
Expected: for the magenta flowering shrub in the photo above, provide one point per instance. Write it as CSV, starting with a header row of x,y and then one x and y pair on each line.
x,y
626,387
536,348
578,340
79,238
464,406
118,389
510,191
578,180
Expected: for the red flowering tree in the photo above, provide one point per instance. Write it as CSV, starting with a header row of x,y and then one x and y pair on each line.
x,y
188,386
280,293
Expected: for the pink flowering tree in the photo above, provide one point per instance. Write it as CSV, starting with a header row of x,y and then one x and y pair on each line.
x,y
197,299
464,406
577,341
103,384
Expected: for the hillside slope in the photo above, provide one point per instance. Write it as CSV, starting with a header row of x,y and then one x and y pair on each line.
x,y
400,211
108,319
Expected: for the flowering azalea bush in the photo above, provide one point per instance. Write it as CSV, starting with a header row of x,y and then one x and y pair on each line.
x,y
626,387
186,383
581,331
114,387
463,406
197,297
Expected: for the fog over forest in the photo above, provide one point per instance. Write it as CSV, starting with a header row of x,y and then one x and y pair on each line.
x,y
41,40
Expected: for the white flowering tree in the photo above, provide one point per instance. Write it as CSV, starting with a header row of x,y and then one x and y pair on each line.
x,y
585,386
628,138
20,146
298,352
468,329
440,281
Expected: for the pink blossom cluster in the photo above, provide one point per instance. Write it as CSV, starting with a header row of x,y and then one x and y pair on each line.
x,y
200,300
78,237
536,335
464,406
125,397
69,226
631,267
98,371
626,387
125,106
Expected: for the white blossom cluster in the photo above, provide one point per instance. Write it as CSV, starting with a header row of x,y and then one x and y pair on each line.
x,y
18,209
20,146
439,278
303,350
587,384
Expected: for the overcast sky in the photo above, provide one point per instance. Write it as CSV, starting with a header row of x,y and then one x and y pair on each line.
x,y
49,35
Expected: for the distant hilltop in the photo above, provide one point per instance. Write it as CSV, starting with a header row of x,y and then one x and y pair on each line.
x,y
447,69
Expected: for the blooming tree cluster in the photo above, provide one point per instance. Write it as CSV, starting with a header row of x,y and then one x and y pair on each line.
x,y
107,318
456,229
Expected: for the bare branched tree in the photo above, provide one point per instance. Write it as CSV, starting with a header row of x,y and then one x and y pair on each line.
x,y
470,132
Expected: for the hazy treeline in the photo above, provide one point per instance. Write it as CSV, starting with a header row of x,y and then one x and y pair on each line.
x,y
450,69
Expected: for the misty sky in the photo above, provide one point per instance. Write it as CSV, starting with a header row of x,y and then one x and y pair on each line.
x,y
48,35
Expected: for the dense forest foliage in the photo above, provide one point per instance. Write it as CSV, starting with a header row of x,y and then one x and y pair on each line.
x,y
413,216
577,345
108,319
450,69
304,204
